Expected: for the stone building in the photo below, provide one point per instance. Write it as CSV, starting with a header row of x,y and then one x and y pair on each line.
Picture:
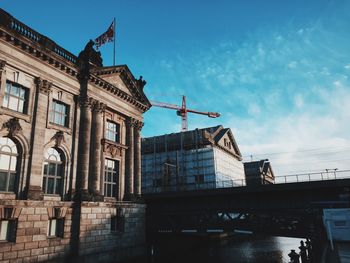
x,y
70,151
259,172
197,159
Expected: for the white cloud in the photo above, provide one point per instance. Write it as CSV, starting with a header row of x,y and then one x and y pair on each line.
x,y
292,134
272,108
299,101
254,109
292,64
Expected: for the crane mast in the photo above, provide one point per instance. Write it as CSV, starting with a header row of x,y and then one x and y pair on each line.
x,y
182,111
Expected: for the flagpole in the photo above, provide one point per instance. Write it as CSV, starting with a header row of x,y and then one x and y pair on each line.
x,y
114,42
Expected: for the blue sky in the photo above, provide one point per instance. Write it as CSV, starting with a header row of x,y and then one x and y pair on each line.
x,y
277,71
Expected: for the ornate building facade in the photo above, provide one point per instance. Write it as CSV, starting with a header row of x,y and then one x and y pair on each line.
x,y
70,151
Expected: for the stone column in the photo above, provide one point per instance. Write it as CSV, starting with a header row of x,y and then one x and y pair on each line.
x,y
84,148
129,163
137,160
95,154
2,66
43,88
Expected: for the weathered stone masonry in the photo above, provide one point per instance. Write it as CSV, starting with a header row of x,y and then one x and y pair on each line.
x,y
70,162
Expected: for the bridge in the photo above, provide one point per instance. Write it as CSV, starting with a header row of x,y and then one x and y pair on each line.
x,y
293,207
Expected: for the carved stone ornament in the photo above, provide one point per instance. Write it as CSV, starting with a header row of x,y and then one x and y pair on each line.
x,y
85,101
138,125
43,86
88,57
2,65
58,138
98,106
13,127
141,83
113,149
131,122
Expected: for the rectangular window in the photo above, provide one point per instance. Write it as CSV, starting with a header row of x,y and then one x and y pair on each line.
x,y
112,131
51,228
55,227
4,229
8,230
59,113
15,97
111,177
118,221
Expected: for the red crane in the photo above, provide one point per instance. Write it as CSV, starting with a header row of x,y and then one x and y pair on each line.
x,y
183,110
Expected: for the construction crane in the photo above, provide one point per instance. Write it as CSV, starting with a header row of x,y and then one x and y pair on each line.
x,y
183,110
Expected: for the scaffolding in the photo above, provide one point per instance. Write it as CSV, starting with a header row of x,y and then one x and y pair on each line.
x,y
186,161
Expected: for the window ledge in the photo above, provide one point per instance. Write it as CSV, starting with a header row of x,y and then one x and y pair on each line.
x,y
16,114
6,242
52,125
110,199
52,197
113,149
53,237
7,195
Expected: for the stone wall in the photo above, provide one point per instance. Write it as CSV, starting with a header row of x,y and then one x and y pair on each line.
x,y
96,240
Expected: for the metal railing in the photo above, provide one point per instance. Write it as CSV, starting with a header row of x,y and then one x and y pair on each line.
x,y
285,179
309,177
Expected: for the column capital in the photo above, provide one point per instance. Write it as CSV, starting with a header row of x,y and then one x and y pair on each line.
x,y
97,106
2,64
43,85
131,122
85,101
138,125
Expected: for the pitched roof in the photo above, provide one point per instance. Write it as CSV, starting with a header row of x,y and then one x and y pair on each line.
x,y
133,85
258,167
191,140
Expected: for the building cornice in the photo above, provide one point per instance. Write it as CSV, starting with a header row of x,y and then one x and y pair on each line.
x,y
27,39
118,92
129,80
42,48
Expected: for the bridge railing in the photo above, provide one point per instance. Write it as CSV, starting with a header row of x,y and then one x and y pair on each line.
x,y
285,179
309,177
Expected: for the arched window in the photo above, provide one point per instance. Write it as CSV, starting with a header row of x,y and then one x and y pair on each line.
x,y
8,164
53,172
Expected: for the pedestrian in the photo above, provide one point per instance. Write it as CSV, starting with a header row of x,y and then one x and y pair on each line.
x,y
303,254
294,257
309,249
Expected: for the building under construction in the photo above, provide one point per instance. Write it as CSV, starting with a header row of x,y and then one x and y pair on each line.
x,y
197,159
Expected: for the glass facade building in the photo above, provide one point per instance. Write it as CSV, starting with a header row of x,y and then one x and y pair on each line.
x,y
191,160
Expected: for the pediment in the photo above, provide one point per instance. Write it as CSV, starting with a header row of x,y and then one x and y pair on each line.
x,y
116,80
225,140
122,78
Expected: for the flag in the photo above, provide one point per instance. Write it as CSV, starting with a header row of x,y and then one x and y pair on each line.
x,y
107,36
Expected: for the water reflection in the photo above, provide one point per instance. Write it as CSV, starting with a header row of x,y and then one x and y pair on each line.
x,y
245,249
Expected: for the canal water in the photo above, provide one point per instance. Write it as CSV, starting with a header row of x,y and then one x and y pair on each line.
x,y
237,249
